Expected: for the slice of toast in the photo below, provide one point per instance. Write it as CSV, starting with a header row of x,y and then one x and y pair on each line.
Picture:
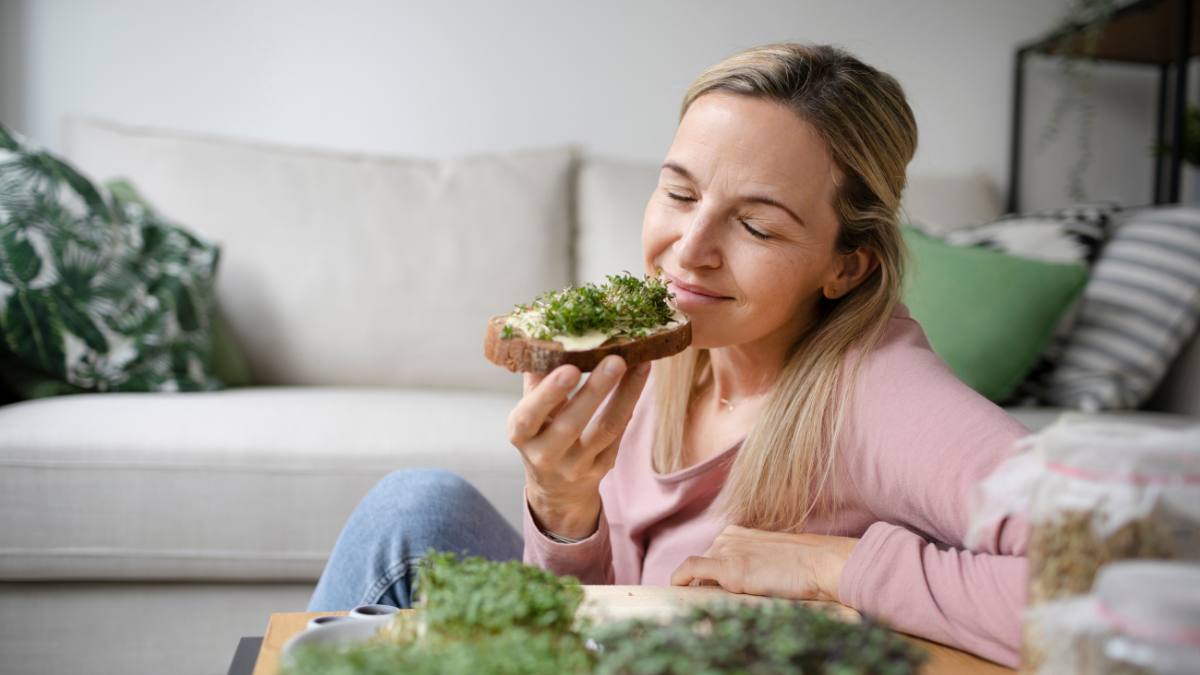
x,y
522,354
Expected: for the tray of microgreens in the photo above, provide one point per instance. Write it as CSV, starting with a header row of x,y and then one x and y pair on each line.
x,y
477,616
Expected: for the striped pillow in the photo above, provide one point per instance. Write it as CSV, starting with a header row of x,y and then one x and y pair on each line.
x,y
1138,310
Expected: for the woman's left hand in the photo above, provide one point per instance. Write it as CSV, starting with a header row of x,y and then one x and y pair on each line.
x,y
775,564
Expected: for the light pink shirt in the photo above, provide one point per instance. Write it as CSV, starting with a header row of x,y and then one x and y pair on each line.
x,y
915,441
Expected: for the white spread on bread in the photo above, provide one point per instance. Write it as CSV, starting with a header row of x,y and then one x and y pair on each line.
x,y
582,343
529,323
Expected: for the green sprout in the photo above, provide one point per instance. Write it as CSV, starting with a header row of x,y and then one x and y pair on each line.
x,y
775,637
622,305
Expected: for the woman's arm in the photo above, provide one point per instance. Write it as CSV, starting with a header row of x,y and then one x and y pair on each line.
x,y
968,600
590,559
917,444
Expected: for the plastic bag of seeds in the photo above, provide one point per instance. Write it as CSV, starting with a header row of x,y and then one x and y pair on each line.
x,y
1057,637
1094,490
1143,618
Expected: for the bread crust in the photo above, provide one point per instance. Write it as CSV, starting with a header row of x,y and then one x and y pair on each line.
x,y
527,355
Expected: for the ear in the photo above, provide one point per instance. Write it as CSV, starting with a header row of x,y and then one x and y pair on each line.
x,y
849,270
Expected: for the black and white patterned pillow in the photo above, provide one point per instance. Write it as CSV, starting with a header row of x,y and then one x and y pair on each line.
x,y
1073,234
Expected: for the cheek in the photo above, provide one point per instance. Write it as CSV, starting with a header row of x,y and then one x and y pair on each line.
x,y
776,282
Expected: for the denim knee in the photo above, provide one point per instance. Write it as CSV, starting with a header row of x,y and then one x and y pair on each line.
x,y
427,508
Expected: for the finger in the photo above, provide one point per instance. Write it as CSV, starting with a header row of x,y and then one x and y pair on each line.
x,y
530,413
606,429
570,422
555,410
697,568
531,380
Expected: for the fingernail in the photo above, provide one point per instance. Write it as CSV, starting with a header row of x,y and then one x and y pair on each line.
x,y
613,366
563,378
643,368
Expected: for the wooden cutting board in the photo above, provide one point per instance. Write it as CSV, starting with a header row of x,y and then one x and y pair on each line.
x,y
613,603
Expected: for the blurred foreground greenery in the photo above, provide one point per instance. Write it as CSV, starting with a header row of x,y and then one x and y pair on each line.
x,y
492,618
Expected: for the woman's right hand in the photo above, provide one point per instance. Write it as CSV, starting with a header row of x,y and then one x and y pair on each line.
x,y
569,443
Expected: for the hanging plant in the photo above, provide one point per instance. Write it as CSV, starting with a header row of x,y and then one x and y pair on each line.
x,y
1083,25
1191,138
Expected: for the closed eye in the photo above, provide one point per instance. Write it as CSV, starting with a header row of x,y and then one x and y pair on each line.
x,y
753,232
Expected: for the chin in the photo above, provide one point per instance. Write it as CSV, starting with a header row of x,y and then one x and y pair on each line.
x,y
704,339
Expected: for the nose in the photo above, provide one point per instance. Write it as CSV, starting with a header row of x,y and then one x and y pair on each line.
x,y
699,243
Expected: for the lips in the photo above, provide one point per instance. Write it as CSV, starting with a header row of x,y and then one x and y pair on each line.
x,y
696,289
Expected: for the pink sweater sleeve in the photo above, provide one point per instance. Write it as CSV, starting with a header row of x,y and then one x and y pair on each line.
x,y
590,560
918,443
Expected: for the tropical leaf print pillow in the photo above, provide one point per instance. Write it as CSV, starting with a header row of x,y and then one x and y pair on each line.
x,y
96,289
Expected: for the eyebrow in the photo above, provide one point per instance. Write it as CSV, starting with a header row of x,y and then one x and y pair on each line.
x,y
758,199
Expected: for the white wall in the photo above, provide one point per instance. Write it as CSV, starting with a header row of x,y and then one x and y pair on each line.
x,y
448,78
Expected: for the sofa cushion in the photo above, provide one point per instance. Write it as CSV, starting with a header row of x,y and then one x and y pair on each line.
x,y
251,483
609,208
944,202
1036,419
341,269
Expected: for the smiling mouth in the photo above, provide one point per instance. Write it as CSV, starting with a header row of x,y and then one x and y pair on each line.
x,y
677,286
691,299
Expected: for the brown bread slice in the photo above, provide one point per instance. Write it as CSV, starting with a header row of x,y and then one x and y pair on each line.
x,y
526,355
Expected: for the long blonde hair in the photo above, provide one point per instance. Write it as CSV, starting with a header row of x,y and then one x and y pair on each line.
x,y
777,479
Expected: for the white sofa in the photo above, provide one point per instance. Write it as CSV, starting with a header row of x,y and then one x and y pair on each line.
x,y
147,532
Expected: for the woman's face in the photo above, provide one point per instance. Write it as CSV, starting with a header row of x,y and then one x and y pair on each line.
x,y
744,211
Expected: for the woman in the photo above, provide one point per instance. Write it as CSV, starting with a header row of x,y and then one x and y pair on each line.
x,y
809,444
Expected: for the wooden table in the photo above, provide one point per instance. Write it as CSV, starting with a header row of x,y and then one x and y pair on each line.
x,y
943,660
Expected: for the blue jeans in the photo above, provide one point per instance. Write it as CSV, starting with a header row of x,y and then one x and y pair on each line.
x,y
376,557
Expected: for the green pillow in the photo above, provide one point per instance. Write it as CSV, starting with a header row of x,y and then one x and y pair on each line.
x,y
987,314
97,291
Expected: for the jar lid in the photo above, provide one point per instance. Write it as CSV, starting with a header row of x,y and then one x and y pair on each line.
x,y
1153,599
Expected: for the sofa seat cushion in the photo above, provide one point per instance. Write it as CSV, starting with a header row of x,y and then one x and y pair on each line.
x,y
1036,419
238,484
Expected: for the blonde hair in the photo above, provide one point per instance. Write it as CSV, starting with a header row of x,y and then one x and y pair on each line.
x,y
778,477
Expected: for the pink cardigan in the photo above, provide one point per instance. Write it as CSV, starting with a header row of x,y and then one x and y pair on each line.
x,y
916,441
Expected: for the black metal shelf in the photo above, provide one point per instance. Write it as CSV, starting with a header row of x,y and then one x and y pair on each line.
x,y
1163,34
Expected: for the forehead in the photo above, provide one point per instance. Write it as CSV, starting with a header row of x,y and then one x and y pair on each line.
x,y
730,138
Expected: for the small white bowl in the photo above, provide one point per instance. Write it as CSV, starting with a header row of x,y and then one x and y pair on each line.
x,y
367,611
325,620
335,633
